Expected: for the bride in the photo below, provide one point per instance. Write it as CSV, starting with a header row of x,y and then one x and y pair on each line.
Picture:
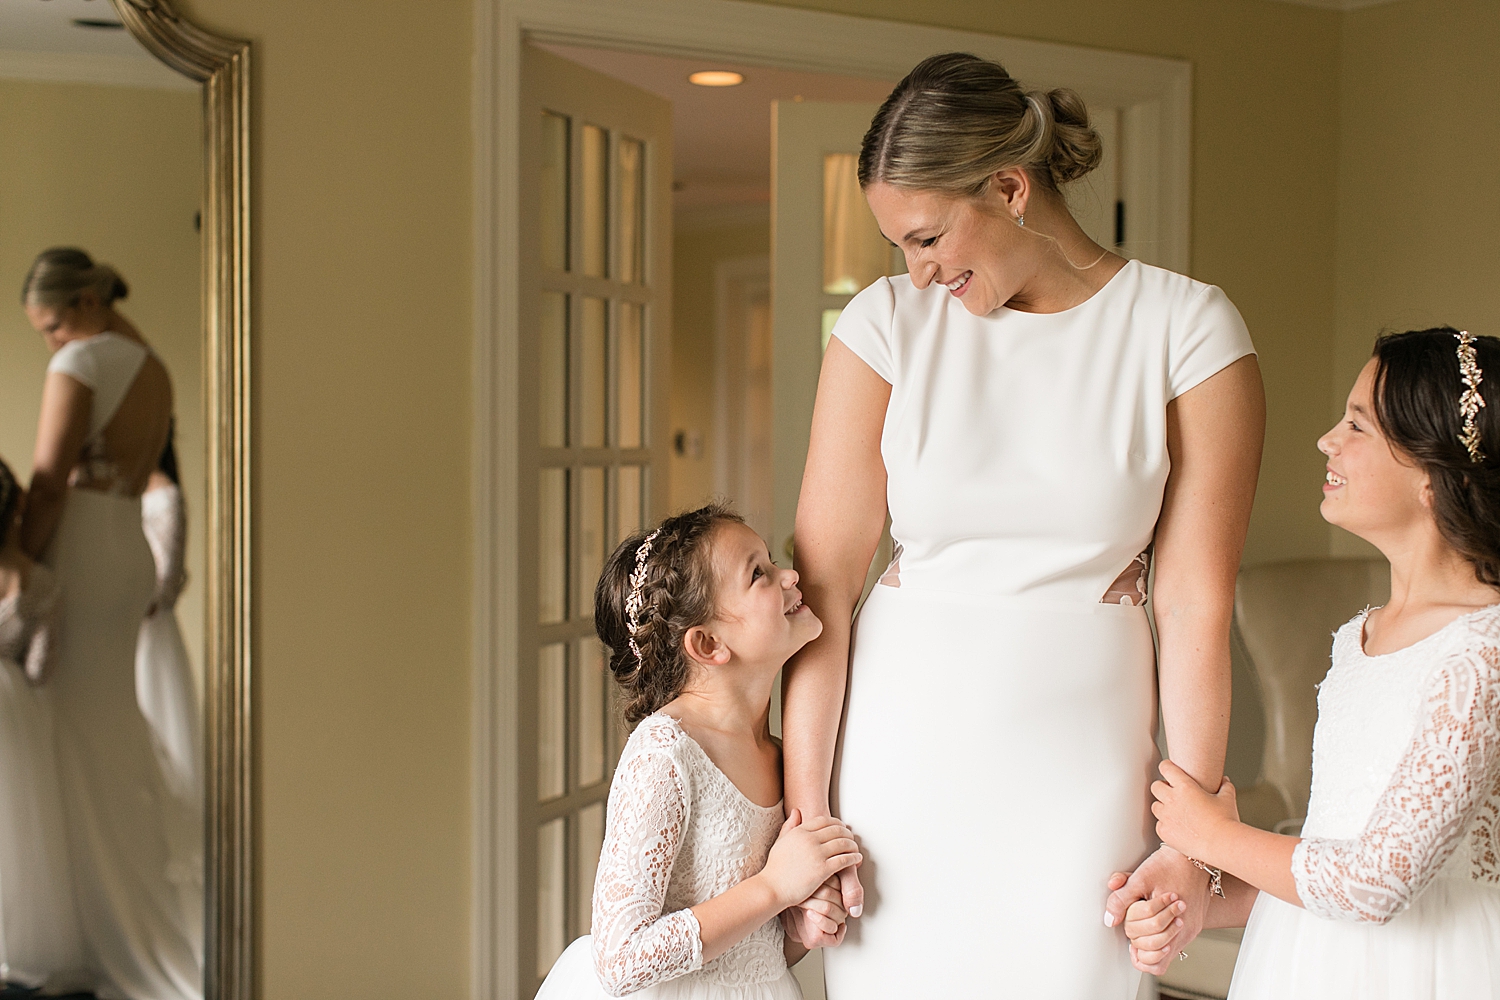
x,y
106,409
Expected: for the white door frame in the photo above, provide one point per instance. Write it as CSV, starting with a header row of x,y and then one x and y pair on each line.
x,y
751,33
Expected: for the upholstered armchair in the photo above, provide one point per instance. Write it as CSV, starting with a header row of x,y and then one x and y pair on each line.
x,y
1285,614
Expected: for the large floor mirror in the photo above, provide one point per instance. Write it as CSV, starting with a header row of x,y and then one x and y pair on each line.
x,y
126,785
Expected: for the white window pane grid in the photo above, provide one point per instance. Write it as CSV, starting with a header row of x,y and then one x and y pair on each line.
x,y
593,491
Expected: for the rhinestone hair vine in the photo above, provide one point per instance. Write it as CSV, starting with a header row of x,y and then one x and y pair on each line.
x,y
633,600
1471,402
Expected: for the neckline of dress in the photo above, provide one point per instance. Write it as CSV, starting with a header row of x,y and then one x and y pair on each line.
x,y
1365,615
1097,296
678,726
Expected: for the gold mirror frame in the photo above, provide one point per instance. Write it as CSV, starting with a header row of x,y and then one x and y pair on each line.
x,y
222,66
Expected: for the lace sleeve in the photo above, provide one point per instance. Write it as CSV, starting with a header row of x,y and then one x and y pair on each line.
x,y
42,598
164,520
635,944
1449,770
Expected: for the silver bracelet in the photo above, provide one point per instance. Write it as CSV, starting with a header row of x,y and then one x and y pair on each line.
x,y
1215,877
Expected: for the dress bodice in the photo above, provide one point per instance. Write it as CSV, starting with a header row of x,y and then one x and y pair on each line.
x,y
26,623
1026,453
679,833
1406,770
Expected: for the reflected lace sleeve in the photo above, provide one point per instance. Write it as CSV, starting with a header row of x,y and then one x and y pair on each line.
x,y
41,651
165,526
635,944
1446,775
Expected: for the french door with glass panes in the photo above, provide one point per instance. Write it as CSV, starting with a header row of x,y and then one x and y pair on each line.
x,y
595,234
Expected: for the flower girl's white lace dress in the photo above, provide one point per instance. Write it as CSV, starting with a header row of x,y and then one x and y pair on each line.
x,y
1398,866
678,834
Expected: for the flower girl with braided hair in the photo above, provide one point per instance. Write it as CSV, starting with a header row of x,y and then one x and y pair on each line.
x,y
699,861
1393,888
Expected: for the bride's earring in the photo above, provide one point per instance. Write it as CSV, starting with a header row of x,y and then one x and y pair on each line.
x,y
1021,219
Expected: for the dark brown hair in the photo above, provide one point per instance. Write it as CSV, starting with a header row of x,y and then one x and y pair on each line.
x,y
678,594
1417,390
10,495
957,119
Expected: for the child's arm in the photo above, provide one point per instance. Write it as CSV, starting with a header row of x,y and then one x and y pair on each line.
x,y
1448,771
804,855
635,944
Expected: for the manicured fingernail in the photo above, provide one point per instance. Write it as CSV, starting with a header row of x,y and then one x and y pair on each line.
x,y
1179,921
855,911
1109,919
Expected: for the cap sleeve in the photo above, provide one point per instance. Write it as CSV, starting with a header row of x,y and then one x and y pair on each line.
x,y
1207,337
74,360
865,327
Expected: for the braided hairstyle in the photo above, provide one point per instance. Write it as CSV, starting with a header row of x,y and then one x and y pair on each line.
x,y
10,495
1417,389
677,594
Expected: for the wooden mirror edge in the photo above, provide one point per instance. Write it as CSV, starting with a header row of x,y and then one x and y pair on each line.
x,y
222,66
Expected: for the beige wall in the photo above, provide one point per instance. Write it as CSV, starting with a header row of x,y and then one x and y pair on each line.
x,y
117,171
1418,198
362,515
697,251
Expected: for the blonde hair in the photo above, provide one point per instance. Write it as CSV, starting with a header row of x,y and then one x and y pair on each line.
x,y
59,275
957,119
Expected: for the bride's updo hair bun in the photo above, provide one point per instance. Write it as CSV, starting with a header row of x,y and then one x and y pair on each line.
x,y
60,275
1417,390
677,594
957,119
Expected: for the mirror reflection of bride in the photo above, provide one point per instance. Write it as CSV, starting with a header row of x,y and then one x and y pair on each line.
x,y
133,841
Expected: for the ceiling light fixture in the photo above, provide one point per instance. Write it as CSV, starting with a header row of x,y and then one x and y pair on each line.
x,y
716,78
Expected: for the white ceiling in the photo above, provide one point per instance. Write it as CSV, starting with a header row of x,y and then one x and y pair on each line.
x,y
721,136
47,26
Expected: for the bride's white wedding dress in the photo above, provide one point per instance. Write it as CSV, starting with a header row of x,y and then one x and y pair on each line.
x,y
39,942
998,746
679,833
136,860
163,673
1399,865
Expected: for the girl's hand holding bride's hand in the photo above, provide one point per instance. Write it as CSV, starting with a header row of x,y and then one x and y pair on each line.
x,y
805,855
819,920
1164,873
1152,925
1188,818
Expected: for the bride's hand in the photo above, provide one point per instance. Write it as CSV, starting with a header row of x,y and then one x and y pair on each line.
x,y
819,920
1189,818
1164,873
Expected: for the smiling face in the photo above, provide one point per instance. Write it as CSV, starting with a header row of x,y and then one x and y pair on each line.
x,y
972,245
1368,488
761,617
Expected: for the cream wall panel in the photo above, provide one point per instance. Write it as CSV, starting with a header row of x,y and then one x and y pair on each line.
x,y
696,253
362,334
1418,205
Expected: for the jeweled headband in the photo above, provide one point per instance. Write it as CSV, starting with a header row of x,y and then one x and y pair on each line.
x,y
633,600
1471,402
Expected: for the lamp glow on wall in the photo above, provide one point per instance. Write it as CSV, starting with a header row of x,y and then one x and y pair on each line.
x,y
716,78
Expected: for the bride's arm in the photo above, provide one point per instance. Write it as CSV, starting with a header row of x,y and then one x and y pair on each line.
x,y
840,515
1214,436
61,428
